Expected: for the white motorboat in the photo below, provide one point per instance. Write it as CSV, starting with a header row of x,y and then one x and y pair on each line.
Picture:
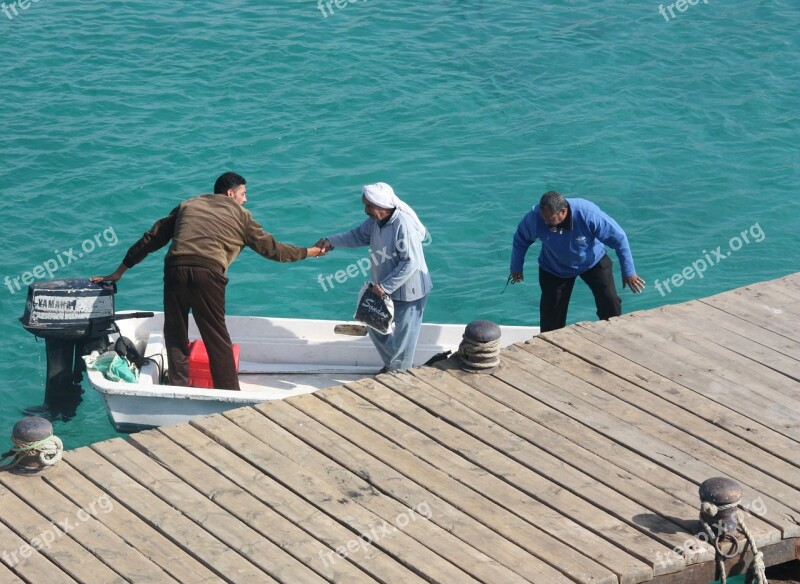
x,y
279,358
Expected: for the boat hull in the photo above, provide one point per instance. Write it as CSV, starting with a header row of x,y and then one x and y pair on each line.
x,y
279,358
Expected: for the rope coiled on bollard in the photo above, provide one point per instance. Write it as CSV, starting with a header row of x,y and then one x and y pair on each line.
x,y
50,451
709,509
479,355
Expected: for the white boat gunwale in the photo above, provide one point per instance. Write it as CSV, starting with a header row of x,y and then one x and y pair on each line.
x,y
275,350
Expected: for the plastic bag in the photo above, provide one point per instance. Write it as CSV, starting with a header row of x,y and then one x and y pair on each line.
x,y
113,367
377,312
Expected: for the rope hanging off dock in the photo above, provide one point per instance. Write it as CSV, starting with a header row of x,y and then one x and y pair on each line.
x,y
759,569
49,451
709,509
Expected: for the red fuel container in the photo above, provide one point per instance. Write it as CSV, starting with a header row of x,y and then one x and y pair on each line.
x,y
199,370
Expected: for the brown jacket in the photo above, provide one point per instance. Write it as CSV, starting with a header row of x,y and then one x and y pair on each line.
x,y
210,231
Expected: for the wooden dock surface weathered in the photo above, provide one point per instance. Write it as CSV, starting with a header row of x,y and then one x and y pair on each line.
x,y
576,461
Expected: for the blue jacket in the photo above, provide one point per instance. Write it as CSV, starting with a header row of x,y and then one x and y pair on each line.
x,y
574,250
396,258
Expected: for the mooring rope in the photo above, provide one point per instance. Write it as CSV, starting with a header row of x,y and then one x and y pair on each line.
x,y
759,568
478,355
50,451
709,509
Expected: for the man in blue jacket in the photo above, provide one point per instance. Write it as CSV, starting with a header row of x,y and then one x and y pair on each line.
x,y
574,235
395,237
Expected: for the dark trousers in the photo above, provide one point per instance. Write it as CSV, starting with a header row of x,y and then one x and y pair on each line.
x,y
203,292
556,293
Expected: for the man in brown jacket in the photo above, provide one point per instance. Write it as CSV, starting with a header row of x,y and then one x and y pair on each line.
x,y
207,233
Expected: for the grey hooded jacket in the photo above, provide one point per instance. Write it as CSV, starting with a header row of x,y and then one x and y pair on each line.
x,y
396,259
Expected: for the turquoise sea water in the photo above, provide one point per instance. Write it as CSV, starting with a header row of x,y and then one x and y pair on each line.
x,y
684,130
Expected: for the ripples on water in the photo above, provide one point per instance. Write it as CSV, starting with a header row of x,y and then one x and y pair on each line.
x,y
685,132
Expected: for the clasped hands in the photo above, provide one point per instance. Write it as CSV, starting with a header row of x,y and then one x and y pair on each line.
x,y
321,248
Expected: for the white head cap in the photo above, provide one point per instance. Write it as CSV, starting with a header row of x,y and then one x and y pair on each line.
x,y
382,195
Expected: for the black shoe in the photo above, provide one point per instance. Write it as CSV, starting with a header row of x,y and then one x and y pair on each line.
x,y
384,369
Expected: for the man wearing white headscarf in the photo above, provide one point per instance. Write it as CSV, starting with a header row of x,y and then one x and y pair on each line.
x,y
395,236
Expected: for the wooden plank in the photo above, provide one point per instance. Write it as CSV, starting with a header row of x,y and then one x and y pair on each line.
x,y
772,292
744,328
754,344
590,347
563,487
86,530
140,535
665,411
345,467
474,390
245,474
666,360
726,363
776,293
244,506
206,512
522,504
459,496
794,295
473,397
785,287
691,353
768,315
789,282
571,429
366,474
346,509
457,402
63,551
784,551
775,351
789,285
30,565
215,555
672,458
644,423
6,575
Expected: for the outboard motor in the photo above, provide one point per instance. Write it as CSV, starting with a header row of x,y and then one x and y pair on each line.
x,y
74,317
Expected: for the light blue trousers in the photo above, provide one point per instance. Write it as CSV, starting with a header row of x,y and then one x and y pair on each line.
x,y
397,349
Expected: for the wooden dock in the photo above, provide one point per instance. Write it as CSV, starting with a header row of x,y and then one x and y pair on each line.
x,y
577,461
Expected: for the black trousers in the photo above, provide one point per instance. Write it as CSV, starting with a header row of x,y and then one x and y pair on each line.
x,y
556,293
203,292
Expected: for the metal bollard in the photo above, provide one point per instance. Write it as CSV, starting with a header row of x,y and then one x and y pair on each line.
x,y
479,351
35,446
719,498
